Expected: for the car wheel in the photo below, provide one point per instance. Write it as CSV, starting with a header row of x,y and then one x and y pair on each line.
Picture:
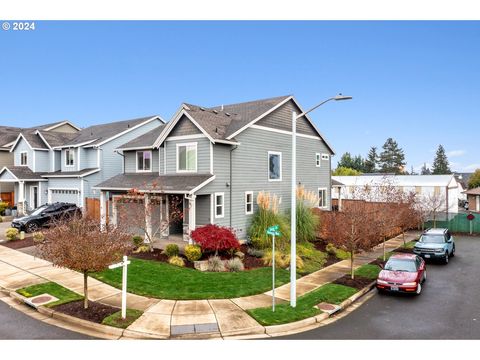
x,y
419,289
446,259
32,227
453,251
424,276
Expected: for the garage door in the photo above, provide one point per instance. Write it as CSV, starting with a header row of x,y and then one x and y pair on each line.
x,y
66,196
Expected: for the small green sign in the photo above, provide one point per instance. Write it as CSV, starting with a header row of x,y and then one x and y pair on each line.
x,y
274,230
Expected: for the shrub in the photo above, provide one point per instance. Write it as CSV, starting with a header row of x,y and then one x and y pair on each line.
x,y
215,264
193,252
234,265
255,252
263,219
137,240
11,234
3,206
142,249
286,262
176,261
279,259
171,250
38,237
331,249
1,219
214,238
338,253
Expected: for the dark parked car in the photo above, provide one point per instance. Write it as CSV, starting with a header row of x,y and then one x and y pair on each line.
x,y
44,215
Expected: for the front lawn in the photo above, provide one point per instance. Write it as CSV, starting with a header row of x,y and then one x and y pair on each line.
x,y
160,280
329,293
62,294
116,320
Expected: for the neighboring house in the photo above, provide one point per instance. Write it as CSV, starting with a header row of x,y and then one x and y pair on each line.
x,y
62,166
473,196
425,186
217,160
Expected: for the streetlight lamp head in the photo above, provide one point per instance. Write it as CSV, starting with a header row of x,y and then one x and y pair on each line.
x,y
342,97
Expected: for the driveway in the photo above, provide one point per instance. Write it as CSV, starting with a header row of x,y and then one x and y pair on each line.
x,y
448,307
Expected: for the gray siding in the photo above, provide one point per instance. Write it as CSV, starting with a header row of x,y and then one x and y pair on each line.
x,y
184,127
203,210
131,161
89,158
203,154
58,160
42,161
21,147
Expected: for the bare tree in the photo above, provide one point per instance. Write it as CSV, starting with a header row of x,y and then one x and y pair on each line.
x,y
405,213
80,244
434,203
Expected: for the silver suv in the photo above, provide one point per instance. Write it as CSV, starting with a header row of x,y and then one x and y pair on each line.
x,y
436,244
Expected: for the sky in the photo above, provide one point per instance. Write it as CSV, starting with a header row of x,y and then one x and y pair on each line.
x,y
418,82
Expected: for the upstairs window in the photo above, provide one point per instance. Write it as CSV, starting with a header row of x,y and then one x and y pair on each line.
x,y
23,158
248,202
144,161
219,205
69,157
325,157
274,166
317,159
322,198
187,157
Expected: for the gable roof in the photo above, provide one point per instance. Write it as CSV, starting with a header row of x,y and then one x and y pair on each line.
x,y
146,140
23,173
8,134
475,191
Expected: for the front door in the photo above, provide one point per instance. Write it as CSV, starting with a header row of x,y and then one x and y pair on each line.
x,y
34,197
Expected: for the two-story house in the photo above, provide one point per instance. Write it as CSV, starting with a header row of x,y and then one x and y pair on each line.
x,y
63,166
217,160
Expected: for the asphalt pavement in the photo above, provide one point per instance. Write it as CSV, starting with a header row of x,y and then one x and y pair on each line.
x,y
448,308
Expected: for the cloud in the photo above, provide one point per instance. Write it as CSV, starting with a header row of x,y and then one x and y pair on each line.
x,y
472,167
456,153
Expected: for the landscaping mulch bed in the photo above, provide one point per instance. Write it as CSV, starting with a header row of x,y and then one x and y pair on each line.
x,y
402,250
322,246
157,255
19,244
357,283
96,312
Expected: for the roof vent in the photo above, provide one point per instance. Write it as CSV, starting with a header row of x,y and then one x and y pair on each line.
x,y
228,114
216,130
128,126
215,111
202,108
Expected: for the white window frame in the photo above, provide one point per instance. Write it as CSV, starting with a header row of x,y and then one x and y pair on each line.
x,y
325,157
318,159
215,206
246,203
67,151
26,158
325,202
136,161
195,145
268,165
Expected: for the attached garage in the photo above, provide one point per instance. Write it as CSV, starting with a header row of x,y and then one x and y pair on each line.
x,y
64,195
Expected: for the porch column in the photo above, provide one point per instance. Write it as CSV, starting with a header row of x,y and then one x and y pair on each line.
x,y
191,215
103,210
21,198
148,218
114,212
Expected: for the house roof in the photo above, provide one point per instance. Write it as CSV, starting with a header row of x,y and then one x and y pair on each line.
x,y
337,183
475,191
63,174
23,173
146,140
57,138
154,183
397,180
8,134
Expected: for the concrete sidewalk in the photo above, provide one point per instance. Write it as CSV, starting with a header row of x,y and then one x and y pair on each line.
x,y
176,318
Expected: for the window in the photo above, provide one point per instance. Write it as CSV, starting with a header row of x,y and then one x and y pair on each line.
x,y
322,197
23,158
325,157
274,166
437,190
418,190
317,160
248,202
219,205
144,161
69,157
187,157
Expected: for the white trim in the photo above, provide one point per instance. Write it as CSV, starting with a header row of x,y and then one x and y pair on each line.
x,y
164,159
209,180
79,159
185,137
52,161
98,156
325,199
7,169
195,144
43,139
318,160
60,124
217,141
20,136
211,158
26,158
33,160
199,127
325,157
246,203
136,161
66,158
49,196
65,175
212,216
168,126
135,148
82,193
73,145
159,161
286,132
260,117
222,194
31,197
268,165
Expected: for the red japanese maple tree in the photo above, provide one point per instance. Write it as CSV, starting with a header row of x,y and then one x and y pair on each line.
x,y
215,238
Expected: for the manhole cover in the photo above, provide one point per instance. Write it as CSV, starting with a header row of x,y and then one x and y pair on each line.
x,y
40,300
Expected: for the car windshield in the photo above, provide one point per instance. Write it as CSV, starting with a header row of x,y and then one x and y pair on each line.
x,y
432,239
401,265
39,210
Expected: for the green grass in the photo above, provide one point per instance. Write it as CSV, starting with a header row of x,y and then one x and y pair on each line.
x,y
160,280
368,271
409,245
64,295
116,320
387,255
330,293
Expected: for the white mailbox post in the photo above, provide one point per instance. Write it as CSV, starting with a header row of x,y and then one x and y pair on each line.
x,y
123,264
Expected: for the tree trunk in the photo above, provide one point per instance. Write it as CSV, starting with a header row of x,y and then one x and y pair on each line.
x,y
352,257
85,289
404,243
384,250
434,219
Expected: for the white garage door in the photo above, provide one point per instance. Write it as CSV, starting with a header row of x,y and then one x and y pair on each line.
x,y
66,196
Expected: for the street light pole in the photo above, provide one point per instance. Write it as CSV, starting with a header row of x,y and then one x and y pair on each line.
x,y
293,212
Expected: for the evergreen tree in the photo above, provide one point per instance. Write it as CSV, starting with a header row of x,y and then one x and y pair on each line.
x,y
440,163
348,161
371,161
392,158
425,170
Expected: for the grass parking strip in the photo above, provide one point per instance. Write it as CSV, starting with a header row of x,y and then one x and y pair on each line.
x,y
368,271
117,321
63,295
329,293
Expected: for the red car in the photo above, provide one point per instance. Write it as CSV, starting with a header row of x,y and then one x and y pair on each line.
x,y
403,273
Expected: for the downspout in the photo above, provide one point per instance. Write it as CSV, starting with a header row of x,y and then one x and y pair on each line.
x,y
231,178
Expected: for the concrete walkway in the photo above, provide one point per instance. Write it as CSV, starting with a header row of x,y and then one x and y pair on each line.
x,y
171,318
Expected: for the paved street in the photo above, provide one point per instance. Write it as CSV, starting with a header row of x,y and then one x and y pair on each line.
x,y
448,307
16,325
